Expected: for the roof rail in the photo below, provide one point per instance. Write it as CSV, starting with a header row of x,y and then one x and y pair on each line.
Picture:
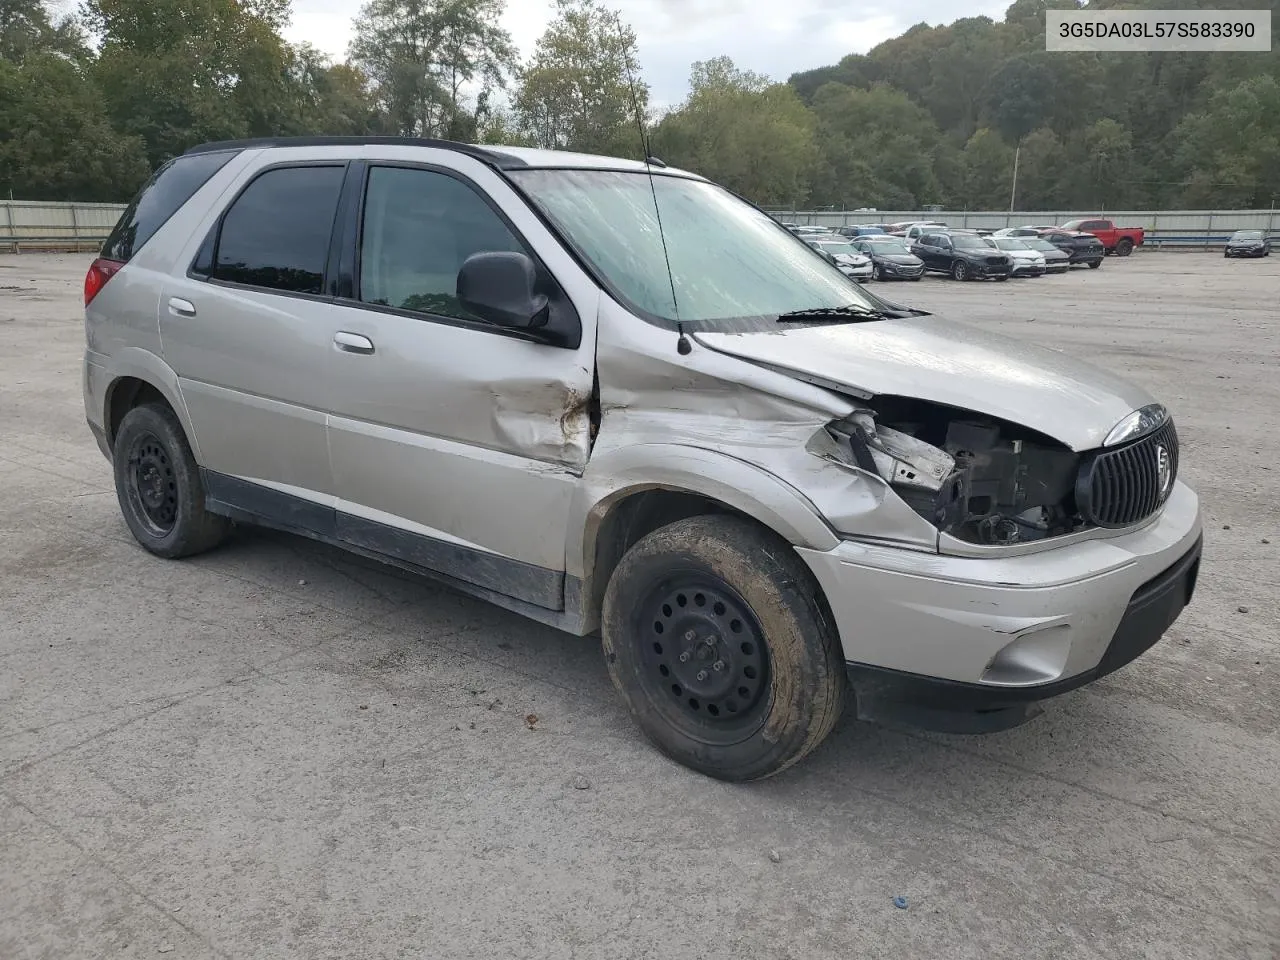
x,y
495,157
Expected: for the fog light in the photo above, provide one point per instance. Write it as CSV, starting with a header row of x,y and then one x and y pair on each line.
x,y
1036,657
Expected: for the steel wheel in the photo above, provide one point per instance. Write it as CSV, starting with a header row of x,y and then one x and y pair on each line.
x,y
151,485
705,659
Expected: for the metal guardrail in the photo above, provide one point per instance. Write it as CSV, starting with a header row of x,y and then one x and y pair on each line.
x,y
33,224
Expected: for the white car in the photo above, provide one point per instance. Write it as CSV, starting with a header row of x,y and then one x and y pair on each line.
x,y
1027,262
855,265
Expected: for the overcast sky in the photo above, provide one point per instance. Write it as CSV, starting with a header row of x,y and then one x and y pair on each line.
x,y
773,37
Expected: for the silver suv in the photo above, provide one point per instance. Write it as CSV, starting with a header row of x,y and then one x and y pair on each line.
x,y
612,396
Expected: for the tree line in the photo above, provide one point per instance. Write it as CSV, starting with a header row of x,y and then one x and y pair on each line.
x,y
92,101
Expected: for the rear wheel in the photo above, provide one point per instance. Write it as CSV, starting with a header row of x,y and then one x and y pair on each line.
x,y
1124,247
159,487
716,637
960,270
1002,277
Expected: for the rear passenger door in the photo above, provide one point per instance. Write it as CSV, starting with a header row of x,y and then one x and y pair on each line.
x,y
247,328
455,444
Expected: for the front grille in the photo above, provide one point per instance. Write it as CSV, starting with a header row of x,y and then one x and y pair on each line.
x,y
1121,487
996,261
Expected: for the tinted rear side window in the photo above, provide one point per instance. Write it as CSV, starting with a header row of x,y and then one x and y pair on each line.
x,y
168,189
276,234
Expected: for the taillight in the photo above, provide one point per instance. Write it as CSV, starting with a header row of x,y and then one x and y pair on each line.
x,y
100,271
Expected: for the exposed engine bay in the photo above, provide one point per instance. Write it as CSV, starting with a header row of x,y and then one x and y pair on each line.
x,y
977,478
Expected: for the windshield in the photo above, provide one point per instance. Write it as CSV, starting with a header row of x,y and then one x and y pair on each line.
x,y
887,247
1038,244
728,260
964,241
1011,243
1247,235
834,248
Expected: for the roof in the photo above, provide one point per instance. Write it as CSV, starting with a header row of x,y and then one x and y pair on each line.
x,y
502,157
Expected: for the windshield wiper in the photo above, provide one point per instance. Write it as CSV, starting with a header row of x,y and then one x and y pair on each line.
x,y
848,314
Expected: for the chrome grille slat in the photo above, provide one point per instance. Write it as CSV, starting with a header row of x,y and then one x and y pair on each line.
x,y
1121,487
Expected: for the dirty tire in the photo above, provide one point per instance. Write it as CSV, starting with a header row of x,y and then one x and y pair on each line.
x,y
959,270
749,603
1124,248
159,487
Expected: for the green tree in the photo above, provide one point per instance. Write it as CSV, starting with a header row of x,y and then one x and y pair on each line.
x,y
878,148
421,55
55,141
26,27
178,72
1229,153
740,129
988,171
581,90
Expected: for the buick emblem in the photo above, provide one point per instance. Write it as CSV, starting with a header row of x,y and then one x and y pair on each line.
x,y
1164,471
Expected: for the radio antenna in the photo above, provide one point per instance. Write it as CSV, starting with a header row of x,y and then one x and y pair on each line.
x,y
683,345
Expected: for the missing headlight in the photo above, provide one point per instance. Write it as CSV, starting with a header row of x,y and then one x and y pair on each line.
x,y
979,479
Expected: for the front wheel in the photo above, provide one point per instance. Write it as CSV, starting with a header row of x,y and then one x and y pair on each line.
x,y
159,487
960,270
716,636
1000,278
1094,264
878,273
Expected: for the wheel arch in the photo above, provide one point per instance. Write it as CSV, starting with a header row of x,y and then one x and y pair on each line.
x,y
137,377
646,487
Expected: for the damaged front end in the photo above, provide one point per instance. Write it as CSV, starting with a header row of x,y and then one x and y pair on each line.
x,y
981,480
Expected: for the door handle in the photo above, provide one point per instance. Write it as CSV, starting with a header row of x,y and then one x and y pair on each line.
x,y
181,308
352,342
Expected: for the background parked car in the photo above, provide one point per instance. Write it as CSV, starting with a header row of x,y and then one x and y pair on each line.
x,y
1027,262
916,230
1083,247
1028,231
1055,260
891,259
837,249
964,256
861,230
1117,240
1248,243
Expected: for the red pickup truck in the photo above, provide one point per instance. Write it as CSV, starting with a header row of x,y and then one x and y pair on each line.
x,y
1117,240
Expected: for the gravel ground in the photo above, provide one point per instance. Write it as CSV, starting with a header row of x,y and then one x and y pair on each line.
x,y
276,750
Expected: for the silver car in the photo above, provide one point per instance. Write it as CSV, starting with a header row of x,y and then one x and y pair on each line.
x,y
769,490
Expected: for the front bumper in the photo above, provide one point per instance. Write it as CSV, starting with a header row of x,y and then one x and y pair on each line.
x,y
898,271
1028,269
1008,629
857,273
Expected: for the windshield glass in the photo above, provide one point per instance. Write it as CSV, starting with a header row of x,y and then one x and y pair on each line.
x,y
834,248
1011,243
728,260
968,241
1247,235
887,247
1038,244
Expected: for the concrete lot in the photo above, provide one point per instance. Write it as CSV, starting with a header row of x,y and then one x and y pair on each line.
x,y
276,750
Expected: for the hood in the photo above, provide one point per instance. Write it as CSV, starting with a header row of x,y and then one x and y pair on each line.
x,y
906,259
944,362
851,259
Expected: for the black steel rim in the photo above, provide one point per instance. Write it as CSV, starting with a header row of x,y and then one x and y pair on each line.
x,y
704,663
153,489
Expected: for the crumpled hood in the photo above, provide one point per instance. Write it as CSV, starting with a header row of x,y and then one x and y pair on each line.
x,y
937,360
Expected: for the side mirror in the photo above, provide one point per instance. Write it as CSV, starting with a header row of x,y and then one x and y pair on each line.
x,y
500,287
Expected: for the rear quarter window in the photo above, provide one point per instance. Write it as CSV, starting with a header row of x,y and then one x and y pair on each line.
x,y
159,199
